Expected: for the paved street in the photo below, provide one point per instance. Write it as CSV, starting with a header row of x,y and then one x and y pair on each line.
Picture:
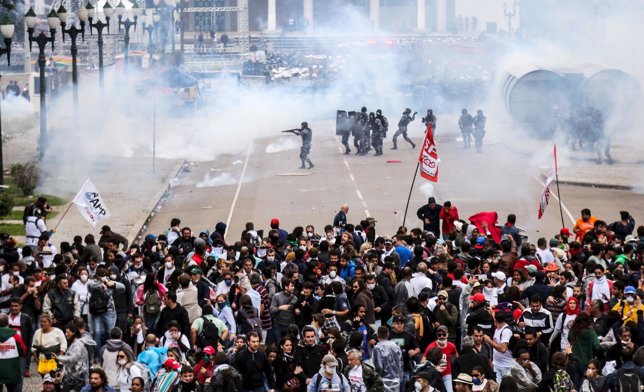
x,y
273,186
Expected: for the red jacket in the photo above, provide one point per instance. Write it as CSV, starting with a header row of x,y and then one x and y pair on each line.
x,y
448,215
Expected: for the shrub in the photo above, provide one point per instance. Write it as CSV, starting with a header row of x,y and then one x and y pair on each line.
x,y
26,176
6,202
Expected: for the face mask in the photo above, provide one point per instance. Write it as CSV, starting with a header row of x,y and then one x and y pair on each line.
x,y
221,305
1,268
270,258
113,276
476,381
371,286
330,369
122,362
309,234
138,265
16,273
303,247
417,386
206,359
228,282
442,341
332,274
84,278
169,265
52,277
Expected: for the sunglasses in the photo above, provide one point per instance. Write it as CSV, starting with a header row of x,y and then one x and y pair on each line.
x,y
120,356
476,375
442,298
441,335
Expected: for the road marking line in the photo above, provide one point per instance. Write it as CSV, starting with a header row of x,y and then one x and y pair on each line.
x,y
554,194
366,212
241,181
352,177
359,195
347,165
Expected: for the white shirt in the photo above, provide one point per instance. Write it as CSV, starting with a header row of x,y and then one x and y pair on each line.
x,y
545,256
356,381
124,377
502,360
81,289
419,282
172,236
33,229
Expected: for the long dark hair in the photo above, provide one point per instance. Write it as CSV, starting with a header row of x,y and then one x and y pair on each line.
x,y
149,283
581,323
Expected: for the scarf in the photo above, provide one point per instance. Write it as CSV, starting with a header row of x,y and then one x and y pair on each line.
x,y
601,290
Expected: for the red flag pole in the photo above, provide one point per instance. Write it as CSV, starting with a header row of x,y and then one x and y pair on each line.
x,y
558,192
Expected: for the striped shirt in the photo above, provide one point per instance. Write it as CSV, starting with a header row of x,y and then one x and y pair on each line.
x,y
540,321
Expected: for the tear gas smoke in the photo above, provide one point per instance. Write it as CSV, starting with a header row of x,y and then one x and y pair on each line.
x,y
218,180
283,144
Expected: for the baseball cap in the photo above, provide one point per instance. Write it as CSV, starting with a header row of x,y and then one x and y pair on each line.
x,y
399,319
443,293
195,271
480,240
554,242
629,238
329,360
629,290
442,328
208,350
423,375
500,275
47,379
478,297
275,221
564,231
172,364
531,269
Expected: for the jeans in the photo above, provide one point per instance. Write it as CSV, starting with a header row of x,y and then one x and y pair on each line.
x,y
102,325
500,372
447,380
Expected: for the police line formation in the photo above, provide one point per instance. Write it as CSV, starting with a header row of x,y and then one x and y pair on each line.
x,y
452,305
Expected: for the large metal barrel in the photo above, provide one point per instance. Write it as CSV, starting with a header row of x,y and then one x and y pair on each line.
x,y
613,91
531,92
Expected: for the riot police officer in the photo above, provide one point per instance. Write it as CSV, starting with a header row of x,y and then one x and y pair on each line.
x,y
375,126
384,122
430,118
479,130
307,136
402,128
359,128
465,123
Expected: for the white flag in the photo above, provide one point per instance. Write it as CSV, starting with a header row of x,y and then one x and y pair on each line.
x,y
90,204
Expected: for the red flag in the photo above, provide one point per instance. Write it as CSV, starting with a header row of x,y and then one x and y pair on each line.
x,y
545,194
428,157
490,218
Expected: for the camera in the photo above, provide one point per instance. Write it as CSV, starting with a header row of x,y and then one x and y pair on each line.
x,y
56,373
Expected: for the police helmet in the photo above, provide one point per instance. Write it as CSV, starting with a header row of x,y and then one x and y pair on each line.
x,y
408,110
479,111
364,109
372,115
379,112
305,124
464,111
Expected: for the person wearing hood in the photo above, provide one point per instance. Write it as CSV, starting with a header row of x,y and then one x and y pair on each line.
x,y
564,322
199,254
629,306
430,215
12,348
109,353
363,297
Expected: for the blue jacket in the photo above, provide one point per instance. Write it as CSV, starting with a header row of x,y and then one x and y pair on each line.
x,y
153,357
106,388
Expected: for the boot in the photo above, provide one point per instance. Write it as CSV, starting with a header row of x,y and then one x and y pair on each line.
x,y
413,146
395,147
347,150
378,152
302,167
311,165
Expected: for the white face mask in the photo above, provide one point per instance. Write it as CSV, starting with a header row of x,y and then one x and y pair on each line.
x,y
303,247
630,300
169,265
371,286
52,277
16,273
122,361
113,276
138,265
332,274
330,369
417,386
84,278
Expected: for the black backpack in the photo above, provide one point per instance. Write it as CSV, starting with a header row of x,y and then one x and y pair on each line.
x,y
209,335
250,321
629,380
99,301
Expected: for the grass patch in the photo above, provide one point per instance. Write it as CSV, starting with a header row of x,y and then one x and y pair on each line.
x,y
52,200
17,215
13,229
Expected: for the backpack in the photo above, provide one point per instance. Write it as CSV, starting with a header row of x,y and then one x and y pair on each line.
x,y
99,301
250,322
27,212
209,335
152,302
319,380
629,380
145,374
562,382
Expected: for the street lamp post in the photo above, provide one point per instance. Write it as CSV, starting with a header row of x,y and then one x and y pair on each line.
x,y
509,14
150,30
73,32
7,28
127,23
42,40
99,26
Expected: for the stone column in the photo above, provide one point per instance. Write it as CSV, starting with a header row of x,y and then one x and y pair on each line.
x,y
374,13
307,10
441,16
422,22
272,15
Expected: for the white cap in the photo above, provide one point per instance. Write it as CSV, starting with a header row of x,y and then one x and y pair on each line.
x,y
499,275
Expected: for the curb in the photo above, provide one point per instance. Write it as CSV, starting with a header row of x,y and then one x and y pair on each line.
x,y
592,185
141,225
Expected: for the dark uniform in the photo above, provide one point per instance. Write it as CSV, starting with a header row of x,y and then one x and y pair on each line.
x,y
307,136
402,128
430,119
465,123
384,122
375,126
358,129
602,143
479,130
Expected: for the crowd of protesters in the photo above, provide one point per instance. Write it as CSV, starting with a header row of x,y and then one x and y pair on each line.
x,y
459,305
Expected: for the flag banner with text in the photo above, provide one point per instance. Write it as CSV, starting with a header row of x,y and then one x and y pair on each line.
x,y
429,157
90,204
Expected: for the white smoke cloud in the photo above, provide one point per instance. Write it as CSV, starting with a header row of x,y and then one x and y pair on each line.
x,y
282,144
218,180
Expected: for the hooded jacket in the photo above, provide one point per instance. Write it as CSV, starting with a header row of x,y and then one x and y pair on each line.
x,y
425,212
11,350
108,359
